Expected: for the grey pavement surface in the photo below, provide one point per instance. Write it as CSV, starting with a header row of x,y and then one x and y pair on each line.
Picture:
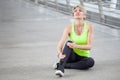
x,y
28,38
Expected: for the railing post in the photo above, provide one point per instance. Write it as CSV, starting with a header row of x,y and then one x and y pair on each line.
x,y
45,2
102,17
118,4
36,1
56,3
68,4
81,2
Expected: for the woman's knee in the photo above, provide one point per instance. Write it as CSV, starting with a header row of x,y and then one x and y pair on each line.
x,y
90,62
66,48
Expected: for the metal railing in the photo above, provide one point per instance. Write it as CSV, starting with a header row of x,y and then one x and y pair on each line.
x,y
100,11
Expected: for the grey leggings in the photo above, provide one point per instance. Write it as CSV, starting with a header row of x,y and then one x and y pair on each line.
x,y
74,61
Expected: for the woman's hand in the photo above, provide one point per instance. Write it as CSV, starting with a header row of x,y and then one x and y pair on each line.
x,y
61,56
72,45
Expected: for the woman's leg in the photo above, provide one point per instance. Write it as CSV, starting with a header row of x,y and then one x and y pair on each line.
x,y
68,55
67,51
84,63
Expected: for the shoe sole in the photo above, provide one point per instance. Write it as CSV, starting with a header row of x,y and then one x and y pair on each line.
x,y
59,73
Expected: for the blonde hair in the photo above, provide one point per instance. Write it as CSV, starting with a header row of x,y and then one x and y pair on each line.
x,y
81,8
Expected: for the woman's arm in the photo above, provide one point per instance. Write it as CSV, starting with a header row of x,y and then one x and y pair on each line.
x,y
62,41
90,40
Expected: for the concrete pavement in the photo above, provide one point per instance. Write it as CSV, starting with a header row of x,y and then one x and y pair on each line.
x,y
28,38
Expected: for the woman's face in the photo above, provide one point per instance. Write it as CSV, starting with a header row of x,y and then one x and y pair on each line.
x,y
78,13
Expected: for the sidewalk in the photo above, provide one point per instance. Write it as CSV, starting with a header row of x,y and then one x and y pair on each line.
x,y
28,38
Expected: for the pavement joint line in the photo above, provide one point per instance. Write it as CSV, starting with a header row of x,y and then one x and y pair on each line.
x,y
36,44
107,39
40,19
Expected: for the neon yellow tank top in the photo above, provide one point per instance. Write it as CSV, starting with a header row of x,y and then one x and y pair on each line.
x,y
81,39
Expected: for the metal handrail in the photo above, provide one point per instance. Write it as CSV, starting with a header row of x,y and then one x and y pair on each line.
x,y
101,11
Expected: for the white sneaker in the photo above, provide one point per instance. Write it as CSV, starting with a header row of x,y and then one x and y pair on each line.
x,y
59,73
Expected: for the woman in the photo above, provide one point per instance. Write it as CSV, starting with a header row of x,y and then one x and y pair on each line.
x,y
75,54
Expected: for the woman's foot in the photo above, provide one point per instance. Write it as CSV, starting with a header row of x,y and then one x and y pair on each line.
x,y
60,71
